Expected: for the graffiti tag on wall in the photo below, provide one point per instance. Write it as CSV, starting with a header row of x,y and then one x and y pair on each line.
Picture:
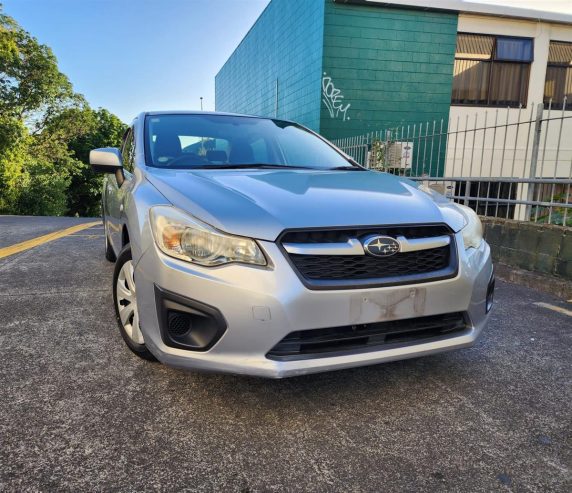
x,y
334,99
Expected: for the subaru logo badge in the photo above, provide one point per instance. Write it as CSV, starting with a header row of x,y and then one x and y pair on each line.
x,y
381,246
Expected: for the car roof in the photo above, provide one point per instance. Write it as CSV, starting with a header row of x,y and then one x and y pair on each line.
x,y
195,112
143,114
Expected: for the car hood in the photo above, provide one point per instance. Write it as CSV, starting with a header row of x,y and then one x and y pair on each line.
x,y
263,203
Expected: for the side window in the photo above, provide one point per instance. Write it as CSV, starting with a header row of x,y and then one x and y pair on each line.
x,y
128,151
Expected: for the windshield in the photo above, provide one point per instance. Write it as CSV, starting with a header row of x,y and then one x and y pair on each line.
x,y
219,141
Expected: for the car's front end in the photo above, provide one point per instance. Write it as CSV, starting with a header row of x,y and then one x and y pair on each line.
x,y
274,321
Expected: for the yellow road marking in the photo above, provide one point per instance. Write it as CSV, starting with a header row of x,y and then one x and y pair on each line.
x,y
555,308
40,240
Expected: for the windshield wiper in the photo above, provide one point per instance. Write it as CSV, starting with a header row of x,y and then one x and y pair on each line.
x,y
256,165
350,168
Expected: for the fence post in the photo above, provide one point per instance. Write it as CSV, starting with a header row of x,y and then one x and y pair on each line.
x,y
385,153
534,157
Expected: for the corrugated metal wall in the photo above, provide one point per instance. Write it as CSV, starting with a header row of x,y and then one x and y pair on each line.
x,y
390,65
283,51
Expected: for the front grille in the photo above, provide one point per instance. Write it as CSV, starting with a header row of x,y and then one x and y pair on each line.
x,y
367,267
355,271
315,343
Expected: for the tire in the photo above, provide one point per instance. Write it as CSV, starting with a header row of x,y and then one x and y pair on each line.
x,y
125,304
109,253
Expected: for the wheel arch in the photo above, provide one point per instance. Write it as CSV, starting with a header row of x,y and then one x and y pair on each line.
x,y
124,236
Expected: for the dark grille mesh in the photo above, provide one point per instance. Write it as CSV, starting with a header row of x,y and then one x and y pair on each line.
x,y
378,335
367,267
179,323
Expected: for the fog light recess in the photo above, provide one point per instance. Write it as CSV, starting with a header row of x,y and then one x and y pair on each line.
x,y
179,324
186,323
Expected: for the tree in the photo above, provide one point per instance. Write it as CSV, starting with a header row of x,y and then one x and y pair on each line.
x,y
106,130
66,139
13,153
44,191
46,132
31,87
30,82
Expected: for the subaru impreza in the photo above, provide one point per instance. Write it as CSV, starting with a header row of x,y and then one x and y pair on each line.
x,y
254,246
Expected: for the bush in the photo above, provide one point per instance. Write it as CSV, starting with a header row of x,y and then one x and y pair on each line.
x,y
44,192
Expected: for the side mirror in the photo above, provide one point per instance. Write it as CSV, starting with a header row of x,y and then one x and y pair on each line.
x,y
107,160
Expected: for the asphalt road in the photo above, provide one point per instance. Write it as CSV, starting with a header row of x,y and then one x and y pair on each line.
x,y
79,412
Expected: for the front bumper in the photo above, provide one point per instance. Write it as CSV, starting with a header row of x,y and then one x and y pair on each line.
x,y
262,305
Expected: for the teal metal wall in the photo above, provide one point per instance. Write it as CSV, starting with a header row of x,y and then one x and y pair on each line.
x,y
285,44
384,67
344,69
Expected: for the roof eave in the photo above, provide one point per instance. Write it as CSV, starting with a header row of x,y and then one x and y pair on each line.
x,y
476,8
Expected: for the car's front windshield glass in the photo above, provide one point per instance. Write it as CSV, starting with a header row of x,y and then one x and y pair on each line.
x,y
221,141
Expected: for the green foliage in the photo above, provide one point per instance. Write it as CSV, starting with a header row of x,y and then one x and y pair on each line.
x,y
104,130
377,156
46,132
13,151
560,216
44,193
29,77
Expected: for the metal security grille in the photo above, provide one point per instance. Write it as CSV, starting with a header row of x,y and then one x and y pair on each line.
x,y
511,163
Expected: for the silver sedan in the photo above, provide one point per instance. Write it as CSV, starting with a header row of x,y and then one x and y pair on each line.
x,y
252,245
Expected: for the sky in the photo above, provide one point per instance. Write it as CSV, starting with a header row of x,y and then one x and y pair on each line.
x,y
130,56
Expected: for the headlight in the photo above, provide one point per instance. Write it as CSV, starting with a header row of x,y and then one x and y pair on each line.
x,y
473,230
182,236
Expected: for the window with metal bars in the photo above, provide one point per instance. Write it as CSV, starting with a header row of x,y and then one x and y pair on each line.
x,y
558,84
491,70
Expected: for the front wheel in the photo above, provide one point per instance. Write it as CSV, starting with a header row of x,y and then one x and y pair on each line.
x,y
125,303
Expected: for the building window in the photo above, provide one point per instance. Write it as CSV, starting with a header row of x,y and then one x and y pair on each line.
x,y
559,75
491,70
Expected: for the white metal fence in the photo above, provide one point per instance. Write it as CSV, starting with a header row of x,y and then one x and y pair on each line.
x,y
512,163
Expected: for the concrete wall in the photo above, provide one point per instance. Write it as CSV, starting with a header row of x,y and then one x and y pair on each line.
x,y
277,65
390,66
541,248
